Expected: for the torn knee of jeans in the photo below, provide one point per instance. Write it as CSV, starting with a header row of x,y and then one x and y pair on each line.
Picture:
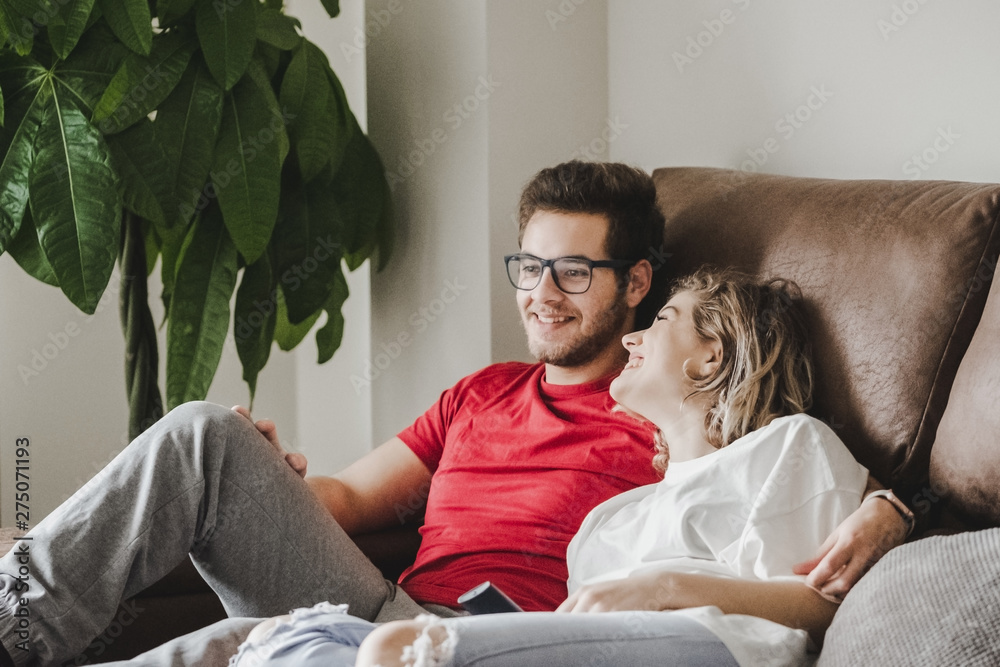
x,y
434,646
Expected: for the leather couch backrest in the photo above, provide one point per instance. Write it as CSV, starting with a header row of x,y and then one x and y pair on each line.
x,y
894,275
965,460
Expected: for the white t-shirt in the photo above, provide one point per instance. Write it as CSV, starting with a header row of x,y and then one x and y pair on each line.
x,y
750,510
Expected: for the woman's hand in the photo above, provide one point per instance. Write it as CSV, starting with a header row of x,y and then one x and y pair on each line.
x,y
269,430
857,544
646,592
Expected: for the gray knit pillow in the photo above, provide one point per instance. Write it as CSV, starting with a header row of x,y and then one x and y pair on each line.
x,y
933,602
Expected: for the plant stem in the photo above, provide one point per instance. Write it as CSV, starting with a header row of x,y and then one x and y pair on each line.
x,y
141,356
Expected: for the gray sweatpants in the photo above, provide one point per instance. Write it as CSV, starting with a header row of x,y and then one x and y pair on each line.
x,y
201,481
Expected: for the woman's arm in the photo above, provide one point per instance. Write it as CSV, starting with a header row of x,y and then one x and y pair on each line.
x,y
789,603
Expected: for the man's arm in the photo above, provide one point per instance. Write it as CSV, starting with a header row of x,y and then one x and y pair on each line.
x,y
855,546
372,492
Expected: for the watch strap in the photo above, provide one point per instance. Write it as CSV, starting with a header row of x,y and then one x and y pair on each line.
x,y
899,505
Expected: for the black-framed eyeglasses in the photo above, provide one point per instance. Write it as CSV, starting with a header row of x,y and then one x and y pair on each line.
x,y
572,275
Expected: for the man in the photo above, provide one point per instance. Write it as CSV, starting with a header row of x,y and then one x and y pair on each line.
x,y
514,457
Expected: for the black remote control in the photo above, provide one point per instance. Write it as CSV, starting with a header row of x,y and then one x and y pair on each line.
x,y
487,599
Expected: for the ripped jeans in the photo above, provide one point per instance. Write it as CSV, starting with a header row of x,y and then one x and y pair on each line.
x,y
325,636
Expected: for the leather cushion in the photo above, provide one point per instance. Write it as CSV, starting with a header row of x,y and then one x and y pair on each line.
x,y
965,461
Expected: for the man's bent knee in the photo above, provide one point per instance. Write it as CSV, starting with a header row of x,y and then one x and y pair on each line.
x,y
199,424
199,410
207,417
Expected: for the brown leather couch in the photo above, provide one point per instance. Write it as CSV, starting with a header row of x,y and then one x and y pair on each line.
x,y
905,315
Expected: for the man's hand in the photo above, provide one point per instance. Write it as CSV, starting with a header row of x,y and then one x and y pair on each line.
x,y
639,592
269,430
853,548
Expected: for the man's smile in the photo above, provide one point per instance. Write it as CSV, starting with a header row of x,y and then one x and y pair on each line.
x,y
552,319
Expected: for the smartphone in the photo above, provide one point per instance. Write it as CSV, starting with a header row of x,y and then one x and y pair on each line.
x,y
487,599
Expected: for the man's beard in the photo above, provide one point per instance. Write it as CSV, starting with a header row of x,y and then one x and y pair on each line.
x,y
586,345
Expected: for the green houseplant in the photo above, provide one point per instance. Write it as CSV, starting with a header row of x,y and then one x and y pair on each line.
x,y
208,134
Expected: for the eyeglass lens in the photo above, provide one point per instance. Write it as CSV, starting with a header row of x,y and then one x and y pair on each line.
x,y
570,275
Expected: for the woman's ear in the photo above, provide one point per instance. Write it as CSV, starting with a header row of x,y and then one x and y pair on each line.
x,y
640,279
711,359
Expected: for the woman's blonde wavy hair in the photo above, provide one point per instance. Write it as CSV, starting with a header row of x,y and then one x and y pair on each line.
x,y
766,370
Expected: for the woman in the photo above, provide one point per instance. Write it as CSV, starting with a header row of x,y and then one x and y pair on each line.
x,y
751,486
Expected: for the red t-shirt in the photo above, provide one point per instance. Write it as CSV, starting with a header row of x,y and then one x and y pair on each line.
x,y
518,463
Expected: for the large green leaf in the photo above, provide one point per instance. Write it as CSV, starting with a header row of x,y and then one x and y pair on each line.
x,y
28,254
227,30
80,78
187,125
171,247
317,130
331,334
199,310
143,82
131,22
286,334
332,7
277,29
67,24
74,200
246,169
253,322
362,193
144,170
27,99
307,246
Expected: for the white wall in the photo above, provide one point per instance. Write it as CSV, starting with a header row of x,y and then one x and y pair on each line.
x,y
901,75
